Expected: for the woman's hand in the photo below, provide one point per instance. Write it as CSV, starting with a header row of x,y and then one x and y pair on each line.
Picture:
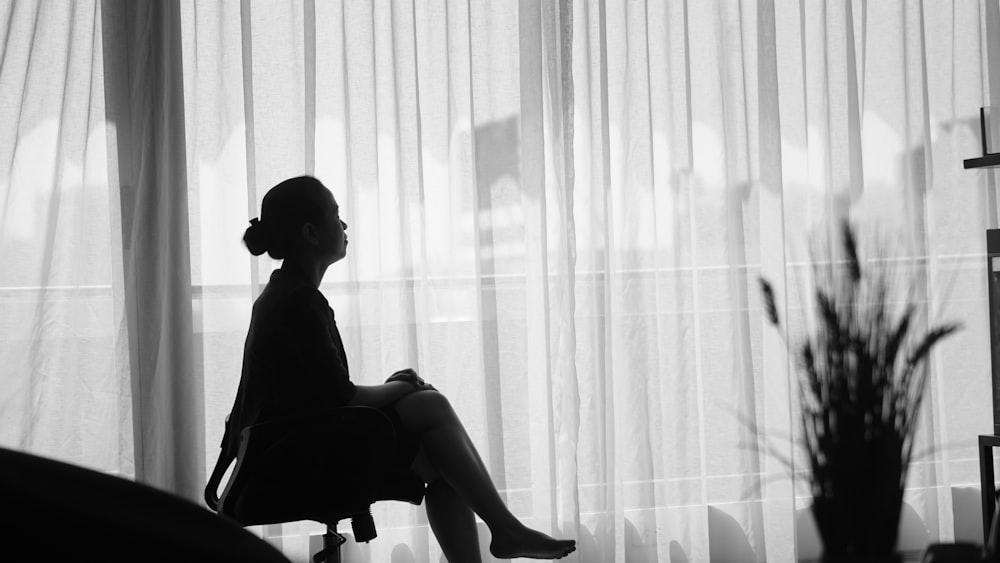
x,y
410,376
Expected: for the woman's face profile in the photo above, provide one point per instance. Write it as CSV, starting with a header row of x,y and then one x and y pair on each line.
x,y
335,237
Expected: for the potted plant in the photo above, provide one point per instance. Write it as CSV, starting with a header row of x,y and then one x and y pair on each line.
x,y
861,373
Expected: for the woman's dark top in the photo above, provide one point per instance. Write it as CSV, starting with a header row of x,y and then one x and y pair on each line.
x,y
294,363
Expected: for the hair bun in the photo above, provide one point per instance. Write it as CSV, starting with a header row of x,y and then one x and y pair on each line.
x,y
255,237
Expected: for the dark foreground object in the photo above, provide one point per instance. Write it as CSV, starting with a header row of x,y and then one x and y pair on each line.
x,y
52,510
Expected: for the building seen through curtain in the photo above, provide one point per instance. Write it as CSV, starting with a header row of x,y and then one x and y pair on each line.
x,y
558,214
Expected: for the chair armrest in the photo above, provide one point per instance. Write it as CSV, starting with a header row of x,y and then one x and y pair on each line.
x,y
212,488
221,465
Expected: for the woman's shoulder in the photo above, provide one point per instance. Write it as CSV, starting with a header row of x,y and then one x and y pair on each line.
x,y
308,297
284,294
292,291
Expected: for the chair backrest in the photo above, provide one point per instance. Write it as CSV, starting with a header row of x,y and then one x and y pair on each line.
x,y
322,467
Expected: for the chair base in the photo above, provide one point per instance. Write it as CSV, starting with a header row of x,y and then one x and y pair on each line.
x,y
331,547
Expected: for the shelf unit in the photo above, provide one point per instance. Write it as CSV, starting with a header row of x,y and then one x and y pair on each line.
x,y
987,161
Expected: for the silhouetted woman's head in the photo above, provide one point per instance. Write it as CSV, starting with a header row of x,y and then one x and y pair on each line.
x,y
298,215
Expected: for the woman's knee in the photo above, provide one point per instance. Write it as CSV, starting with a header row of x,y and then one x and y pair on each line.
x,y
425,408
429,398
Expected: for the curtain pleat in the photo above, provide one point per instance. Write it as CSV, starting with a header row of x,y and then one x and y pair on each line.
x,y
780,504
144,83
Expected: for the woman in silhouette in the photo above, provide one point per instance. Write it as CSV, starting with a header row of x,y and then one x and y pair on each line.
x,y
292,326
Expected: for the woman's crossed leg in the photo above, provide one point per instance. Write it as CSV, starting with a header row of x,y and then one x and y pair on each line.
x,y
459,484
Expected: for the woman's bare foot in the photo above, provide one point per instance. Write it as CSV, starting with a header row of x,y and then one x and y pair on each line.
x,y
525,542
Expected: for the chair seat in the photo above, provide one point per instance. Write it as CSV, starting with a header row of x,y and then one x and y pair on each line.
x,y
322,467
327,507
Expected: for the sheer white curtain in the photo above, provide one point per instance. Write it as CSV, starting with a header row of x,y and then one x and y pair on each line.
x,y
557,210
64,390
97,348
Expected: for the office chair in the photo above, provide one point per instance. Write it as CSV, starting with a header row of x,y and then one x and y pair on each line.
x,y
321,467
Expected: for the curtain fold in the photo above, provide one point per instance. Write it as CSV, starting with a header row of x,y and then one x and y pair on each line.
x,y
779,503
144,91
558,213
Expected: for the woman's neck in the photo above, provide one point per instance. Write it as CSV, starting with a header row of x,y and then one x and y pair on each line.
x,y
311,272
